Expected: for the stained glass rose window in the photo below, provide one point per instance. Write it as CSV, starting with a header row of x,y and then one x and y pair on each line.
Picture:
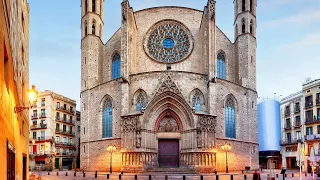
x,y
168,41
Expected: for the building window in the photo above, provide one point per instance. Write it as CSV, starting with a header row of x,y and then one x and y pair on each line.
x,y
34,123
318,98
93,5
309,131
251,27
64,117
64,140
243,5
298,121
84,130
141,102
221,66
308,101
243,26
251,6
57,115
57,139
85,28
70,129
288,123
93,27
43,113
318,129
297,107
57,126
230,118
287,111
64,128
107,119
43,102
288,135
79,129
58,105
84,148
298,135
309,116
318,114
116,66
196,102
71,109
64,107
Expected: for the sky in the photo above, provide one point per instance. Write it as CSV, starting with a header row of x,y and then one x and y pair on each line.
x,y
288,41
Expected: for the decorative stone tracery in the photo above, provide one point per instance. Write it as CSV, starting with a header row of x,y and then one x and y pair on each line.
x,y
168,41
206,131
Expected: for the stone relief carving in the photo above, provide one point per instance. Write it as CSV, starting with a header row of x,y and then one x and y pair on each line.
x,y
168,85
129,124
168,124
205,131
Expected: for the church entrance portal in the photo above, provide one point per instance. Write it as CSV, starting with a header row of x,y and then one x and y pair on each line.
x,y
168,150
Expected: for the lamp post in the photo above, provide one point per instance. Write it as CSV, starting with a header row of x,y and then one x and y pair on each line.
x,y
33,93
226,148
111,149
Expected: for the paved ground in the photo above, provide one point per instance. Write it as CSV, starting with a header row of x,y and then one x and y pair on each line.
x,y
161,176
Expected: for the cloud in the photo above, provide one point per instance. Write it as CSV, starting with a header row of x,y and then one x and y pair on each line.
x,y
267,4
302,19
311,40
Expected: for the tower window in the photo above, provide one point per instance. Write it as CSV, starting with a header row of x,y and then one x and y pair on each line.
x,y
86,6
251,5
251,26
116,66
243,26
221,66
93,5
93,28
243,5
85,28
236,31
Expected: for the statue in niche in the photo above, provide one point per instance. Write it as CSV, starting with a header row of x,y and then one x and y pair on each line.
x,y
199,140
138,140
168,124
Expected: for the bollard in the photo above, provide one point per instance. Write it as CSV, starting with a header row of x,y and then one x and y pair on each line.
x,y
75,174
66,173
231,177
285,175
245,176
277,175
184,177
121,172
242,171
107,176
57,173
292,175
84,174
135,176
48,172
201,177
215,172
96,175
166,177
119,176
305,174
149,177
217,177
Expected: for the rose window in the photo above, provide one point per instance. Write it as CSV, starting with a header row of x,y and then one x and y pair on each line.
x,y
168,42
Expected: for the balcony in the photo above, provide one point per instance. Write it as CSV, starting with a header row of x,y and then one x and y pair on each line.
x,y
65,145
35,116
65,110
287,112
297,125
291,141
308,105
41,153
317,101
42,115
39,126
64,132
314,121
42,139
287,126
297,110
312,137
65,120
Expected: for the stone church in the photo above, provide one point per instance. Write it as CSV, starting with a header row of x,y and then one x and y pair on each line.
x,y
168,89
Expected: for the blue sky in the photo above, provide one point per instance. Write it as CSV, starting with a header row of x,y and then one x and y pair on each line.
x,y
288,37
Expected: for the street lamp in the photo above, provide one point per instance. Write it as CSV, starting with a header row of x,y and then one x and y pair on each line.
x,y
111,149
33,93
226,148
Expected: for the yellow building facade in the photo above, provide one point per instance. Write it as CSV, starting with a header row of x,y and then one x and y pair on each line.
x,y
14,85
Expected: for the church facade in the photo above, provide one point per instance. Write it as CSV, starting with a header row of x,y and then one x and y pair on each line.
x,y
168,89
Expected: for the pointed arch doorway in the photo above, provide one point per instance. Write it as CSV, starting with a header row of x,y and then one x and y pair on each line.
x,y
168,128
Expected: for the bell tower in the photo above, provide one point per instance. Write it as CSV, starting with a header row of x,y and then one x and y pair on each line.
x,y
245,41
91,42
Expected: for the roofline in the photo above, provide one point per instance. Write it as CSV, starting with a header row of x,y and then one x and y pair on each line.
x,y
168,7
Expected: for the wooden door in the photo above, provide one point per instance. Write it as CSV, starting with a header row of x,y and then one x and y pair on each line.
x,y
10,165
168,152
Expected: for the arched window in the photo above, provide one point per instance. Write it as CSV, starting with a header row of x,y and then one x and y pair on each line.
x,y
251,27
93,5
196,102
140,102
221,66
86,6
236,31
107,119
100,30
230,118
85,28
93,27
243,26
251,5
243,5
115,66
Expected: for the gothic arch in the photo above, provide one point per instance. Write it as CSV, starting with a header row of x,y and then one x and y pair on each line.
x,y
168,101
234,100
140,96
195,95
171,113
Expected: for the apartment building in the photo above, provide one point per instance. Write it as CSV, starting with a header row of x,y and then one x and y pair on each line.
x,y
300,123
292,125
14,85
53,132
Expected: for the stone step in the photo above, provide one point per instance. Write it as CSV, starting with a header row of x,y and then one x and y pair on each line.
x,y
170,171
